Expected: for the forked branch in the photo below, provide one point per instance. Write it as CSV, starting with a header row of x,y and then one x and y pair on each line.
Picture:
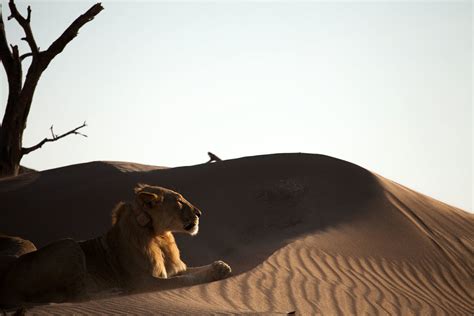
x,y
53,138
57,46
25,24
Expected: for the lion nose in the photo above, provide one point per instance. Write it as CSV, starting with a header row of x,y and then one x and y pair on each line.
x,y
197,212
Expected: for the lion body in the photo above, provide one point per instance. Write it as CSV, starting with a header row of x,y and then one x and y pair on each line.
x,y
137,251
129,257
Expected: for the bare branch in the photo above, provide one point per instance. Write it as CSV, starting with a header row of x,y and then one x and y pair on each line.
x,y
26,55
25,24
28,19
15,53
5,54
71,32
54,138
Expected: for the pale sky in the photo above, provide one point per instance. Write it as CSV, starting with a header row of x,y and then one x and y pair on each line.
x,y
385,85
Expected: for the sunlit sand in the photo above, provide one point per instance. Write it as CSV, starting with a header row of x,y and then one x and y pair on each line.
x,y
305,233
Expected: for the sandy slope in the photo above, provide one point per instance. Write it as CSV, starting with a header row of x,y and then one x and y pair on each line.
x,y
305,233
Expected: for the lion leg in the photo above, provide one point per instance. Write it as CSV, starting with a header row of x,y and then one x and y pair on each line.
x,y
215,271
209,269
54,273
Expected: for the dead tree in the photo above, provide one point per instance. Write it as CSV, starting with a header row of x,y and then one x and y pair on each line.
x,y
20,94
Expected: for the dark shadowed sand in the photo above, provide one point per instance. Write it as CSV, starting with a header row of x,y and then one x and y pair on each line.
x,y
304,233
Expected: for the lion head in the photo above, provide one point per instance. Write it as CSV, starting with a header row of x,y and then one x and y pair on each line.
x,y
165,210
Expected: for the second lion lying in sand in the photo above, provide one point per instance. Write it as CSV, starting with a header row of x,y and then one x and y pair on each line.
x,y
137,253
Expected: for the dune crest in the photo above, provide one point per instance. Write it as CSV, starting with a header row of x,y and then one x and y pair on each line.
x,y
305,233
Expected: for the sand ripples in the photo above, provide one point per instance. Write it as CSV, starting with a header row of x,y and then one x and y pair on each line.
x,y
331,239
316,282
300,277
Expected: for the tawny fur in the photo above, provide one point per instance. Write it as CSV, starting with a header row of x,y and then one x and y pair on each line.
x,y
137,253
139,249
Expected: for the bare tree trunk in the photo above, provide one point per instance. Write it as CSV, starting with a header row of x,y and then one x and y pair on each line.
x,y
11,131
10,153
20,96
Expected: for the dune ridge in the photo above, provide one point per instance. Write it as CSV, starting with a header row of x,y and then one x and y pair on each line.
x,y
305,233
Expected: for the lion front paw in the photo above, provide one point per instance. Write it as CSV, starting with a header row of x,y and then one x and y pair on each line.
x,y
220,270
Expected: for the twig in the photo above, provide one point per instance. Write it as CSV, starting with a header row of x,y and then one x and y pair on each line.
x,y
54,138
52,133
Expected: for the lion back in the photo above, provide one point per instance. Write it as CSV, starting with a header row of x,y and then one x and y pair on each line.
x,y
102,269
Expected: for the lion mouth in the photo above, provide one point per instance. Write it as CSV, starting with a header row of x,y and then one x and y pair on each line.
x,y
190,226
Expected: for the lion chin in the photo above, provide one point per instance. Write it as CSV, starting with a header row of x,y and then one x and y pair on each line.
x,y
193,230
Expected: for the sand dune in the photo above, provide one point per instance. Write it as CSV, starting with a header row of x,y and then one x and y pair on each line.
x,y
304,233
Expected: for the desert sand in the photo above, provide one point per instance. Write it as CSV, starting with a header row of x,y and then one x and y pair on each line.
x,y
305,233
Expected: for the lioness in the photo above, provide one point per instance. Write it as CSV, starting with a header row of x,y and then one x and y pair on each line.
x,y
137,253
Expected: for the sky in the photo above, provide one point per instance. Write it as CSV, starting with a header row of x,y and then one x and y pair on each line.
x,y
386,85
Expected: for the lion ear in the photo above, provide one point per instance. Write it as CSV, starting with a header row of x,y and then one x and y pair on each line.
x,y
149,199
139,187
